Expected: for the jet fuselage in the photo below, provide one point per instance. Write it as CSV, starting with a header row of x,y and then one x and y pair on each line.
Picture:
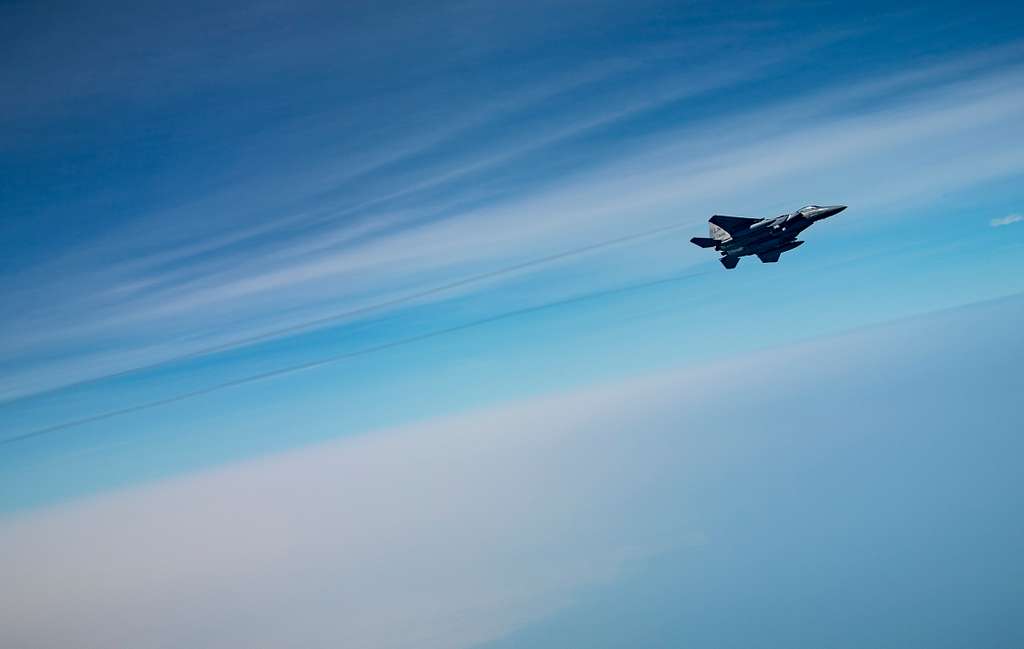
x,y
736,236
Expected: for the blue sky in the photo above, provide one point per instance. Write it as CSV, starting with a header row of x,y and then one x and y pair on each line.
x,y
184,179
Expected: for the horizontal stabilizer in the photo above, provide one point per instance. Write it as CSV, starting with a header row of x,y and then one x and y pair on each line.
x,y
729,262
733,224
704,242
769,257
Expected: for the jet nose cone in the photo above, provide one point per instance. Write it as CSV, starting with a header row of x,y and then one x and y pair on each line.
x,y
831,210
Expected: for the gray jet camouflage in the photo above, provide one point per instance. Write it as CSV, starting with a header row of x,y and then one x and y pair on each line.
x,y
739,236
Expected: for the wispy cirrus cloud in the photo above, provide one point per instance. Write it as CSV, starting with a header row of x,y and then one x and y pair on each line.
x,y
519,173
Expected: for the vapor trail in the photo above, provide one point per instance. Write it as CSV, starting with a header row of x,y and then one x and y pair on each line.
x,y
293,369
360,311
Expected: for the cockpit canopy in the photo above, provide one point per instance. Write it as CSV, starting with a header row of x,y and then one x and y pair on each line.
x,y
809,208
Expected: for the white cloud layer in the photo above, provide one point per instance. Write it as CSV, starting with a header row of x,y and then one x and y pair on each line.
x,y
441,535
453,533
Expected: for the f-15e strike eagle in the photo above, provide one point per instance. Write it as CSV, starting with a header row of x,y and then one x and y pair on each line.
x,y
739,236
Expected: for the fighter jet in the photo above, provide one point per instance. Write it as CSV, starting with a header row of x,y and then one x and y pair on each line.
x,y
739,236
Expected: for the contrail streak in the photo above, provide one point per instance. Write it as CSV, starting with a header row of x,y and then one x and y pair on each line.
x,y
293,369
361,311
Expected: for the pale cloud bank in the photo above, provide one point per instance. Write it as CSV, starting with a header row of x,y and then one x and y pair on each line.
x,y
1006,220
454,533
440,535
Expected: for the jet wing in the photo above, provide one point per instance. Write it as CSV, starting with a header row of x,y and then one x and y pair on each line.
x,y
769,257
733,224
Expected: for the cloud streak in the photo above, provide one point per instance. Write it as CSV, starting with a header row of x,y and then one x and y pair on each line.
x,y
1009,219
